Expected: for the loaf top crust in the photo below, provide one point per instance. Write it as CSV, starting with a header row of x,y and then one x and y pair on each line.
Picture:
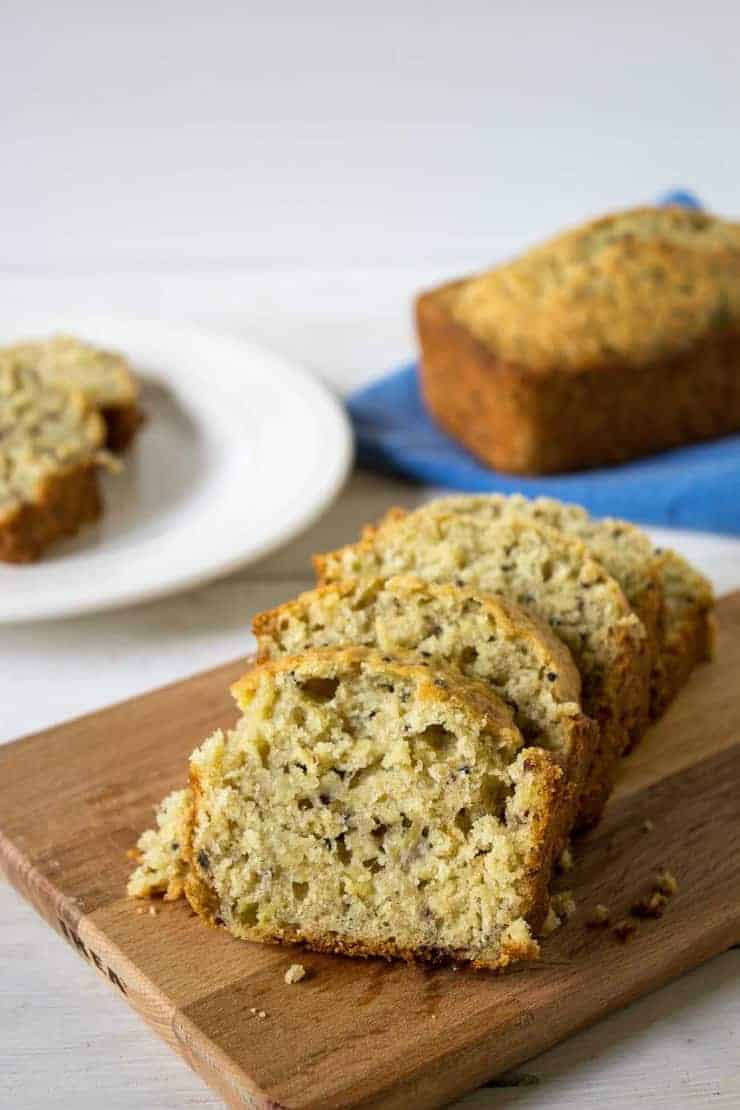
x,y
43,431
103,377
634,287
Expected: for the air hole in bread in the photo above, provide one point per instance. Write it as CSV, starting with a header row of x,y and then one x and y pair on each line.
x,y
319,689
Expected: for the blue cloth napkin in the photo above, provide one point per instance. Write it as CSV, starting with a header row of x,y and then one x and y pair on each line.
x,y
690,487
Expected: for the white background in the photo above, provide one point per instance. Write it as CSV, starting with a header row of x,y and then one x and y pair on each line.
x,y
294,132
294,172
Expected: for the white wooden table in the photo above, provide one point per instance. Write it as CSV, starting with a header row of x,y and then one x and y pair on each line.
x,y
65,1038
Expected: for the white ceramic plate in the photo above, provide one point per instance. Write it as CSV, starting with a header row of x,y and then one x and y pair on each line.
x,y
242,450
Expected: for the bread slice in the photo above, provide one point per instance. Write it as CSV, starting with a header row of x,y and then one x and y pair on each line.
x,y
688,630
49,452
369,805
488,639
545,571
671,598
624,550
103,377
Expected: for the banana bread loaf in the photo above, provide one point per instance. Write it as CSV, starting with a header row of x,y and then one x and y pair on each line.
x,y
617,339
371,805
542,570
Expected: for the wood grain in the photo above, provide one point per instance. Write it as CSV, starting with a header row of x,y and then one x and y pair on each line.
x,y
74,798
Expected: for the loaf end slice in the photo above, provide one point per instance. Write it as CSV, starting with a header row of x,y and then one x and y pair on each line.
x,y
369,805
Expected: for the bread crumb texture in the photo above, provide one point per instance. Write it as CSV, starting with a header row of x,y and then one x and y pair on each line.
x,y
630,288
295,973
370,805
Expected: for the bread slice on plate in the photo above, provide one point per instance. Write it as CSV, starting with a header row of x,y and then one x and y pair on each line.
x,y
50,448
488,639
370,805
103,377
543,570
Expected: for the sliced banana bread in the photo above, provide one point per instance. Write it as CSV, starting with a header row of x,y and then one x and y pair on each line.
x,y
103,377
50,444
543,570
687,636
625,552
370,805
672,599
486,638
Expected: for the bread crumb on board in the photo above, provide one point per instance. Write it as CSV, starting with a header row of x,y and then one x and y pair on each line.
x,y
295,973
549,925
651,905
647,825
564,904
565,862
666,883
625,931
599,916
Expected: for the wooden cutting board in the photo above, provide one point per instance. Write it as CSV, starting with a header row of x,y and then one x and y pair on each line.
x,y
364,1033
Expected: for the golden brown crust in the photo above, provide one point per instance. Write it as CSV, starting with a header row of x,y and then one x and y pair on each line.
x,y
64,502
538,422
122,422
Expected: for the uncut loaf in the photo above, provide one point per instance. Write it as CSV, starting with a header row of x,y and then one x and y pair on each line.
x,y
616,339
